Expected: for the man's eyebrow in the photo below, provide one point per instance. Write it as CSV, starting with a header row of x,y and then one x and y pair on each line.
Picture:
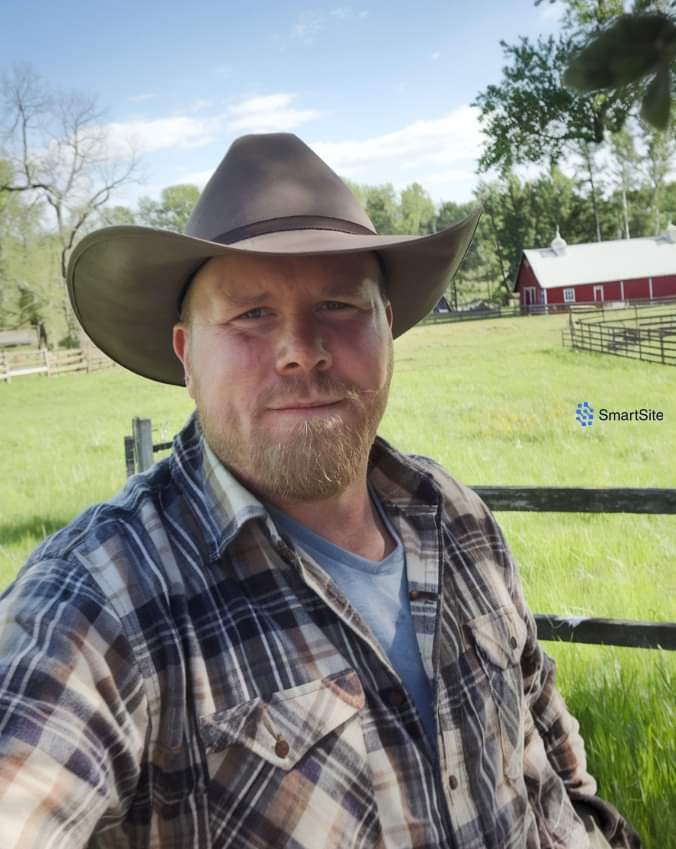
x,y
239,300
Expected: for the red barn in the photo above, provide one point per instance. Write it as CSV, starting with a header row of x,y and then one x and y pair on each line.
x,y
623,270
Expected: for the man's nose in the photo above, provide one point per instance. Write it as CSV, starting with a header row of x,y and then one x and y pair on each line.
x,y
302,346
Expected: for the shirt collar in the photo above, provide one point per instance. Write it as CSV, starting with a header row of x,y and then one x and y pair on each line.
x,y
222,505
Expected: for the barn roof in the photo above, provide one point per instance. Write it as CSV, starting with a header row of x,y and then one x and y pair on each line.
x,y
599,262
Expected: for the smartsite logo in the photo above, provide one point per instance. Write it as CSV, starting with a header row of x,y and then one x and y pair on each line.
x,y
584,415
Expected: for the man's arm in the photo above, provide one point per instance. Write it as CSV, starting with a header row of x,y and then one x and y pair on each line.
x,y
72,710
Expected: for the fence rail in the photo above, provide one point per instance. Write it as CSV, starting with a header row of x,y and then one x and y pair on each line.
x,y
595,308
650,338
139,450
22,363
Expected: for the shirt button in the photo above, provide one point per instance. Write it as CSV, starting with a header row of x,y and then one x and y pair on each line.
x,y
396,698
281,748
413,595
452,782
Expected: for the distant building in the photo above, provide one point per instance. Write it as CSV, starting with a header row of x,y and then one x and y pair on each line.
x,y
442,305
622,270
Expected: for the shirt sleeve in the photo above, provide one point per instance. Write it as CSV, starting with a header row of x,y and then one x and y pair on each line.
x,y
73,712
556,728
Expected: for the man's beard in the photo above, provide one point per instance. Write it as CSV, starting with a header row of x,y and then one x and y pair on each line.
x,y
318,457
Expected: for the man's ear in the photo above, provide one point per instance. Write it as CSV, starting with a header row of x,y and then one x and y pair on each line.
x,y
181,341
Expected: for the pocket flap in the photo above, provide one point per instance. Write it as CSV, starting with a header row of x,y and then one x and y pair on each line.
x,y
500,635
282,728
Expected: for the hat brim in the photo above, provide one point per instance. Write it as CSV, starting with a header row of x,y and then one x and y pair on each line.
x,y
124,282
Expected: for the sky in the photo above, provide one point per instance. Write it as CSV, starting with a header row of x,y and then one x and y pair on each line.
x,y
381,90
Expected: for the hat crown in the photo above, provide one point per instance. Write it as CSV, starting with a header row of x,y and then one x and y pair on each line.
x,y
269,182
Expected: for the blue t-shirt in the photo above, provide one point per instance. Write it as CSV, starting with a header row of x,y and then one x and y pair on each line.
x,y
378,589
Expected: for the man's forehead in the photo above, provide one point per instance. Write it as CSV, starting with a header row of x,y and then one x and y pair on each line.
x,y
241,277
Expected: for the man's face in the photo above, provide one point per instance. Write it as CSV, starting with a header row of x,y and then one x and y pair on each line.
x,y
289,361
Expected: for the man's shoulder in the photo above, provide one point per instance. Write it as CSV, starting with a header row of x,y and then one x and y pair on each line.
x,y
110,545
144,496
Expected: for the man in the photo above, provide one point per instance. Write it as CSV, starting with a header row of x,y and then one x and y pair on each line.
x,y
288,634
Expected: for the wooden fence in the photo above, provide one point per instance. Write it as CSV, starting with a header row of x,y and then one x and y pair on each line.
x,y
651,338
139,450
595,308
22,363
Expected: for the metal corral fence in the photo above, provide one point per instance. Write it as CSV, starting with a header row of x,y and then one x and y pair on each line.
x,y
598,308
21,363
139,450
641,336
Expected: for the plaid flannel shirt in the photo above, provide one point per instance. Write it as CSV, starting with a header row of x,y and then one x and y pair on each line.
x,y
173,674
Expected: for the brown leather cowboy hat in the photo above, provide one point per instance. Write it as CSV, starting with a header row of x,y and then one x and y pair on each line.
x,y
271,194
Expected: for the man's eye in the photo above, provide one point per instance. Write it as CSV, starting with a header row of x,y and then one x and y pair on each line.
x,y
256,312
335,305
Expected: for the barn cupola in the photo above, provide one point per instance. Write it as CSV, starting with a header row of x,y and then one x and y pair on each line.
x,y
558,244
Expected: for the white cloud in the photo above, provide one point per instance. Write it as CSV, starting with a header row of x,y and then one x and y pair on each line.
x,y
259,104
312,21
148,136
139,98
441,142
198,106
269,113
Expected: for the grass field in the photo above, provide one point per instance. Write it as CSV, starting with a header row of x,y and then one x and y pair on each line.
x,y
495,402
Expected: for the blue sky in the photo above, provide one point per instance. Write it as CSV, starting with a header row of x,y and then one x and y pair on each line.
x,y
382,90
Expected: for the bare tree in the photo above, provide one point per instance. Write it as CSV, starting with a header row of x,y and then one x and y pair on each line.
x,y
59,152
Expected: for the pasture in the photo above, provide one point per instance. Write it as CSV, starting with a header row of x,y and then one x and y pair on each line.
x,y
494,401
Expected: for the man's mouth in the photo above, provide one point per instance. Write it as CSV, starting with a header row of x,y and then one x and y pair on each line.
x,y
305,405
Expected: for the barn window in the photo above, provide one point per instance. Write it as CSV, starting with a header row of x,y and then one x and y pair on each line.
x,y
569,295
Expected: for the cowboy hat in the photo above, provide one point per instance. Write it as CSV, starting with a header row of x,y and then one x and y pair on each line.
x,y
271,194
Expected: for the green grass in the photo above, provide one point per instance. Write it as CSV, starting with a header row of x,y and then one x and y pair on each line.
x,y
494,401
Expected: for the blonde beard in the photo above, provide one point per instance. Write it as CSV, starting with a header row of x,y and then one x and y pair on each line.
x,y
317,459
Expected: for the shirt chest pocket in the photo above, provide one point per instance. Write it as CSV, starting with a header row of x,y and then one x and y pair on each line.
x,y
499,638
276,763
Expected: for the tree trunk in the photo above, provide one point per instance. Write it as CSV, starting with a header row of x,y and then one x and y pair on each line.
x,y
590,169
625,213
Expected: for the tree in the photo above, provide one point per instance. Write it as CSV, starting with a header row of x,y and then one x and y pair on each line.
x,y
417,211
626,165
658,163
110,216
623,54
531,117
172,211
59,153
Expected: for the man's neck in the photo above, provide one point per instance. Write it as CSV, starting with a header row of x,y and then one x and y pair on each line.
x,y
349,520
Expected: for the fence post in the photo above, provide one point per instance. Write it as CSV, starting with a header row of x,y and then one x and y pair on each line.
x,y
129,455
142,432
